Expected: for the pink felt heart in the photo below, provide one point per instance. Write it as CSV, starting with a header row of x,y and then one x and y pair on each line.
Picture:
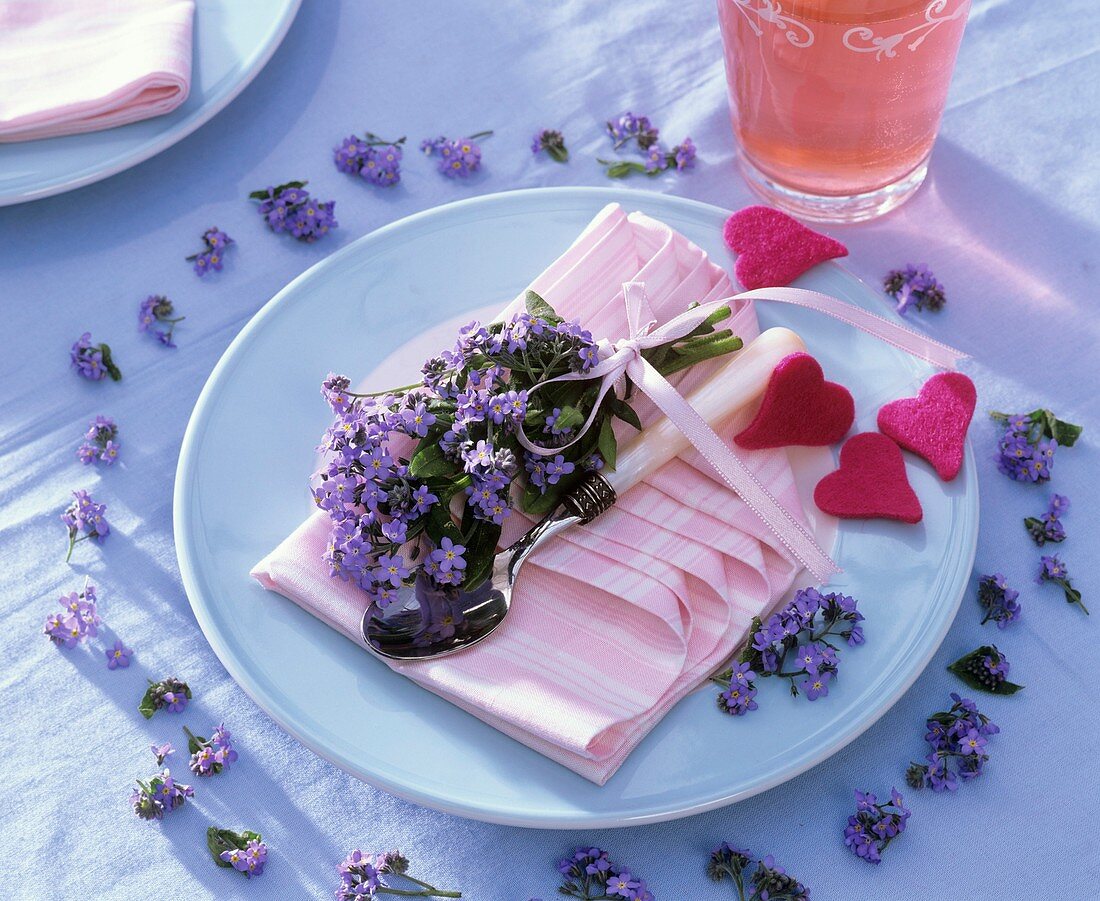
x,y
774,249
870,483
933,424
799,407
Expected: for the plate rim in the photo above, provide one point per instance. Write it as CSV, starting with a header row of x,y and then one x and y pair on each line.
x,y
170,136
503,816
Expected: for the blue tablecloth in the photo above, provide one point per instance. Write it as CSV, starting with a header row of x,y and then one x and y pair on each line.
x,y
1009,220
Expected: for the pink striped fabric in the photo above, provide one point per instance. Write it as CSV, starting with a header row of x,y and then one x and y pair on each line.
x,y
71,66
666,582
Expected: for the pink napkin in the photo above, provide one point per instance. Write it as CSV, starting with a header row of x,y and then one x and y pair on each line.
x,y
612,623
71,66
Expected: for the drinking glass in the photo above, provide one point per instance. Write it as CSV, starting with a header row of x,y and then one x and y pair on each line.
x,y
836,103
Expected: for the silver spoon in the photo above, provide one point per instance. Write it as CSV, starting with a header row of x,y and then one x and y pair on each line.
x,y
426,621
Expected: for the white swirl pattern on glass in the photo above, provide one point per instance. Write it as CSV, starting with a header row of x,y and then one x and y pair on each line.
x,y
863,39
797,33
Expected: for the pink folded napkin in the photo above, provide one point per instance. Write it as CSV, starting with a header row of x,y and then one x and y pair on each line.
x,y
71,66
612,623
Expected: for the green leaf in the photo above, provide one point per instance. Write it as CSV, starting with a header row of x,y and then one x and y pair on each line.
x,y
558,153
964,669
621,168
429,462
219,840
440,524
569,418
108,361
748,652
263,195
625,412
608,446
481,547
147,708
539,308
1065,433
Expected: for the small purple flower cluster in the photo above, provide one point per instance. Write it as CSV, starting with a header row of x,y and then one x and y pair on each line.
x,y
552,142
80,619
169,694
873,826
361,876
1052,569
998,600
209,756
915,287
99,442
372,158
155,310
794,633
249,860
84,519
958,739
160,794
93,361
985,669
289,208
212,257
638,129
1024,453
591,870
378,501
460,158
1048,527
767,881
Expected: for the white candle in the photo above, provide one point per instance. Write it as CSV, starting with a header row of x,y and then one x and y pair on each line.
x,y
739,382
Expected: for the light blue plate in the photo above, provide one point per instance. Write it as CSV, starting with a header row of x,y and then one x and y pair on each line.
x,y
262,406
233,41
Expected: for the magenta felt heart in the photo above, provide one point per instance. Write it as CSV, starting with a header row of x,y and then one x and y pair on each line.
x,y
799,407
933,424
773,249
870,483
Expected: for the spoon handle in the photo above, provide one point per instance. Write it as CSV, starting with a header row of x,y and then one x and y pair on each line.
x,y
737,383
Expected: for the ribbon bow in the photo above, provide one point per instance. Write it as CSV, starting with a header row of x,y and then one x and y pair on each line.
x,y
624,358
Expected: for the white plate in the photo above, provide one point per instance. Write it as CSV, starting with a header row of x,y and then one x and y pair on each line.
x,y
233,41
241,488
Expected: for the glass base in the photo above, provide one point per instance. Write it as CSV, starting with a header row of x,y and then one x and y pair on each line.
x,y
834,208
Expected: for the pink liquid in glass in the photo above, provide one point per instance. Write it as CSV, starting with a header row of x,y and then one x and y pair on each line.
x,y
839,97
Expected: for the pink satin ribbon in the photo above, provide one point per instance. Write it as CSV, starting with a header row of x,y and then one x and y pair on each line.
x,y
624,358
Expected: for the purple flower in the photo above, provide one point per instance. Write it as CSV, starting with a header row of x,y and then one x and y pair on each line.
x,y
169,694
629,127
93,361
162,752
418,420
957,739
373,158
998,600
361,876
816,685
211,257
84,519
392,569
873,826
160,794
157,310
99,443
914,286
1054,570
552,142
79,619
683,155
458,158
209,756
249,860
449,555
592,869
118,656
289,208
